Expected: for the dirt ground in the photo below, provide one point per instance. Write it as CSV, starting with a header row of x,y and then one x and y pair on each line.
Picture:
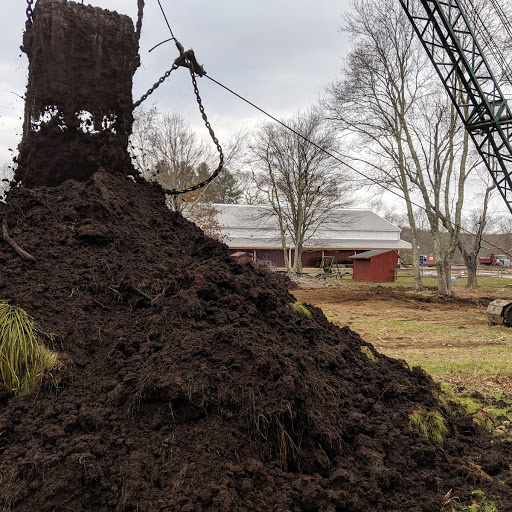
x,y
418,327
399,304
204,389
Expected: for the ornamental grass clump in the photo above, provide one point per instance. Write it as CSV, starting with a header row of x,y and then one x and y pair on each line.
x,y
23,359
430,424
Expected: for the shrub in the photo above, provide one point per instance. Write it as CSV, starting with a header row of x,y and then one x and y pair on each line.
x,y
23,360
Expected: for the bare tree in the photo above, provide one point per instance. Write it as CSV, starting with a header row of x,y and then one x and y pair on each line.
x,y
297,176
142,141
390,104
381,81
168,151
470,240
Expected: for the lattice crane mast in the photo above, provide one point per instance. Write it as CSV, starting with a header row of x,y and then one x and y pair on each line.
x,y
445,31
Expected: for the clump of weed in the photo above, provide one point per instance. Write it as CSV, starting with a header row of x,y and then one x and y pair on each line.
x,y
470,405
447,399
484,417
479,472
367,351
300,309
23,360
429,424
482,503
478,502
483,420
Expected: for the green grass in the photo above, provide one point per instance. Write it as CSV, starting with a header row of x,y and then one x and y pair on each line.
x,y
493,413
470,362
300,309
444,350
23,360
485,283
429,424
484,505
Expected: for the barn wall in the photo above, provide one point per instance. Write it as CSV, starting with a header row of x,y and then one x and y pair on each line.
x,y
341,256
383,267
362,270
274,256
310,258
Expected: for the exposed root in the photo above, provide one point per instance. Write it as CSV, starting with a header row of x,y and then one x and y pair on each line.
x,y
144,294
139,291
21,252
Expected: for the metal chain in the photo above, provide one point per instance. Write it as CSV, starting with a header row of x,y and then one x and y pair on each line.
x,y
215,173
140,15
155,86
29,10
188,60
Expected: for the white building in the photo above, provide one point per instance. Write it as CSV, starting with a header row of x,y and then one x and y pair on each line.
x,y
254,229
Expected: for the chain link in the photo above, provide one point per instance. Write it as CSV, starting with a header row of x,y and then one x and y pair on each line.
x,y
155,86
215,173
29,10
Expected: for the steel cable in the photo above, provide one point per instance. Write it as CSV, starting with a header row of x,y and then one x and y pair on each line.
x,y
329,153
488,38
352,168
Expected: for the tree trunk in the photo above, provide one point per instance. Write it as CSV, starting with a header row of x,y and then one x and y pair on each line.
x,y
297,262
472,273
418,280
471,261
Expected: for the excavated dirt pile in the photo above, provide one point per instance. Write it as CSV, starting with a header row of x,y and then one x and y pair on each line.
x,y
187,381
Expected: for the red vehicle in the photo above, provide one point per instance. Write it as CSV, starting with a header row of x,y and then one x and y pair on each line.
x,y
427,259
498,260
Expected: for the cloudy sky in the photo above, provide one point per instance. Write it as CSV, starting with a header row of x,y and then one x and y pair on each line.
x,y
280,54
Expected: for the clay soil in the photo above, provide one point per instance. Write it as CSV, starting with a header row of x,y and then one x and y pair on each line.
x,y
187,382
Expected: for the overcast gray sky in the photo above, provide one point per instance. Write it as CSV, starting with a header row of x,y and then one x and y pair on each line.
x,y
280,54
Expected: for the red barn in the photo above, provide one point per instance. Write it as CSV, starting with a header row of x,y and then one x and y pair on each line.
x,y
254,229
377,266
242,257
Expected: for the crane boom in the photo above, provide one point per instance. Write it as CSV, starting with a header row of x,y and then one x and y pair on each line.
x,y
445,31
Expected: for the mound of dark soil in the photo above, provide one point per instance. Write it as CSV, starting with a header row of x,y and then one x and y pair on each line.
x,y
189,383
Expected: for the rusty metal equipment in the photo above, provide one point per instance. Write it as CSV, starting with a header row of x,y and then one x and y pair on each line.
x,y
499,312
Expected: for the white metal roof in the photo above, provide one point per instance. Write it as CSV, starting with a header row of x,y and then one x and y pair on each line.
x,y
261,216
248,226
367,254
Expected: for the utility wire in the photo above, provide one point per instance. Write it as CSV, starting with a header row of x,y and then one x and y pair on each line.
x,y
165,18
